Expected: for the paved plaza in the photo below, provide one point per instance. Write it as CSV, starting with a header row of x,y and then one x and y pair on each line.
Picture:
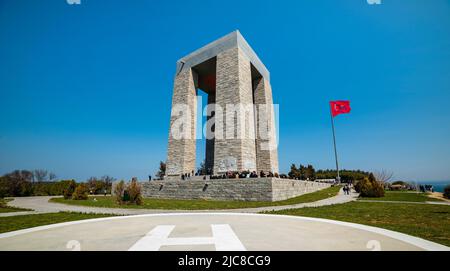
x,y
210,231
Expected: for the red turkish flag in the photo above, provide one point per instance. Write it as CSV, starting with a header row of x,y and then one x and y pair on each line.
x,y
339,107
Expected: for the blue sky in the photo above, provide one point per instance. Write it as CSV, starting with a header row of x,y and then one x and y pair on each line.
x,y
86,89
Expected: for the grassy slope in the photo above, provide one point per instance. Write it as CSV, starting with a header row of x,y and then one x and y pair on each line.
x,y
404,196
14,223
200,204
431,222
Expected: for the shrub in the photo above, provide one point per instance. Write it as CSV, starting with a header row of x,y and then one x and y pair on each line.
x,y
369,187
17,184
447,192
119,189
128,194
126,197
100,185
2,203
134,192
358,185
3,187
81,192
68,191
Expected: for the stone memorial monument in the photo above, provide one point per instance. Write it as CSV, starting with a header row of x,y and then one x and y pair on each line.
x,y
240,129
240,101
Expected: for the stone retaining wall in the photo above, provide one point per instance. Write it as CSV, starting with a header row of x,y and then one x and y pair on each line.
x,y
257,189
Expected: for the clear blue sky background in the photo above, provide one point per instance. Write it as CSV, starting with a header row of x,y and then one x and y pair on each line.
x,y
85,90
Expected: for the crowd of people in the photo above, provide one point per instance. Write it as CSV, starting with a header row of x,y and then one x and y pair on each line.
x,y
243,175
232,175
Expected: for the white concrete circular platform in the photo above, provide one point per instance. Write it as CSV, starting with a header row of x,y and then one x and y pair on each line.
x,y
211,231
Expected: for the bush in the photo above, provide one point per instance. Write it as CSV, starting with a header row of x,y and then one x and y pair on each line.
x,y
447,192
16,184
81,192
99,185
3,203
126,197
68,191
128,194
358,186
369,187
3,188
134,191
119,191
19,183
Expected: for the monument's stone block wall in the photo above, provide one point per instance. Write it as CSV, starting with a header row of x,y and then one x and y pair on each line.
x,y
266,143
235,150
261,189
285,189
181,150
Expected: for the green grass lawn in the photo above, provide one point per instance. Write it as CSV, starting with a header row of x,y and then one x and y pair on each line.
x,y
428,221
13,223
8,209
149,203
403,196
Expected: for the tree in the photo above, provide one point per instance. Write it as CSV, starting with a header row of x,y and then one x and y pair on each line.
x,y
293,172
4,187
383,176
40,175
100,185
310,173
162,170
18,183
68,191
93,184
346,175
302,172
108,180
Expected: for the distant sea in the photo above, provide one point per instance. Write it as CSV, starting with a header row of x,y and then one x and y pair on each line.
x,y
437,185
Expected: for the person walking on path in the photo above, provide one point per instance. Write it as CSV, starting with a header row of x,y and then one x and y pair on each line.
x,y
346,192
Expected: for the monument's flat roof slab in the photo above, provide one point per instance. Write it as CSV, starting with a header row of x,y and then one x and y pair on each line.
x,y
232,40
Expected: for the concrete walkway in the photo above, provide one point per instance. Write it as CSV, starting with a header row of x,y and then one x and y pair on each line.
x,y
42,205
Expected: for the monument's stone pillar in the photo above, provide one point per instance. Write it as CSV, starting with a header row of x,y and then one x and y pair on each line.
x,y
234,146
181,150
266,144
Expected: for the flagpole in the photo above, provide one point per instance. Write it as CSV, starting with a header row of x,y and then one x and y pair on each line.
x,y
338,178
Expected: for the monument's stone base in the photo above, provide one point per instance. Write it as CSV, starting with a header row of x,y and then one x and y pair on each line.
x,y
250,189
